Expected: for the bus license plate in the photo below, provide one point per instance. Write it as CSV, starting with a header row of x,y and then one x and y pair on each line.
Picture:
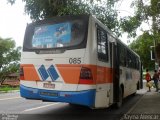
x,y
49,85
49,94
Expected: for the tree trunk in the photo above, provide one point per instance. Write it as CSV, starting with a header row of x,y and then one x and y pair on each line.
x,y
2,81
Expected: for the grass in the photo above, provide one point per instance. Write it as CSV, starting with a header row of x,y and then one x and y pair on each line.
x,y
8,88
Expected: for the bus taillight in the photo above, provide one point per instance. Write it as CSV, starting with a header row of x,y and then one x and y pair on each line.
x,y
85,76
21,73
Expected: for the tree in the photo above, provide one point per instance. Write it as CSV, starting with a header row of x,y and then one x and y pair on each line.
x,y
103,10
142,47
143,13
10,57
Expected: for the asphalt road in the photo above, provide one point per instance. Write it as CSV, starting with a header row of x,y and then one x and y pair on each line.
x,y
12,106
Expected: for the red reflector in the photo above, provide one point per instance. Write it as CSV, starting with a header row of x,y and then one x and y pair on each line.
x,y
83,81
85,76
67,95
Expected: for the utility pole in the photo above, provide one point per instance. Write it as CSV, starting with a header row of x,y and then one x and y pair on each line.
x,y
156,32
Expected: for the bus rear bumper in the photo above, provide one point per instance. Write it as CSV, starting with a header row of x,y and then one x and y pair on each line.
x,y
86,98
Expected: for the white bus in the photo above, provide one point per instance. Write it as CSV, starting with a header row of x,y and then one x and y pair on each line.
x,y
77,60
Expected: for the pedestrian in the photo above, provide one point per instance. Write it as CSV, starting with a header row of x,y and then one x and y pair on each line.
x,y
148,79
156,78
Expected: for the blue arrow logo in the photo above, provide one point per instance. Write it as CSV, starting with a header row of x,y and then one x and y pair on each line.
x,y
51,71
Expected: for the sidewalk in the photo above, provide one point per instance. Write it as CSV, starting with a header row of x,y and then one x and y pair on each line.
x,y
148,104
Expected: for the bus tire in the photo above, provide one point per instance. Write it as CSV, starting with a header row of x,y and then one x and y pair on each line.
x,y
138,86
134,94
73,105
119,104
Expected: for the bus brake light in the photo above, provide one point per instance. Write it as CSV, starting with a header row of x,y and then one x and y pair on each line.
x,y
21,73
85,76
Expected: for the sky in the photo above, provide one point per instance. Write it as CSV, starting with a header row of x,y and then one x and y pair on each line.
x,y
13,20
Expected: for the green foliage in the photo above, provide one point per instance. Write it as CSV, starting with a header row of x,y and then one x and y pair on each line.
x,y
142,47
8,88
130,25
154,7
40,9
10,57
11,1
143,13
103,10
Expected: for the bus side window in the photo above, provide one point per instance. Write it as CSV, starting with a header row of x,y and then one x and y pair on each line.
x,y
128,59
102,42
122,54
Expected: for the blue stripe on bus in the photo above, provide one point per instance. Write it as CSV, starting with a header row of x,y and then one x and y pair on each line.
x,y
86,97
53,73
43,72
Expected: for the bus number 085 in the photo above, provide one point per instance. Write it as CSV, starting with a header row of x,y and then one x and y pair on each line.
x,y
75,60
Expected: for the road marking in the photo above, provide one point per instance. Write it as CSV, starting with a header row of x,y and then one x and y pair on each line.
x,y
10,98
40,107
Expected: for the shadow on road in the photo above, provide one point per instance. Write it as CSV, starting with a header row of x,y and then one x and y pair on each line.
x,y
69,112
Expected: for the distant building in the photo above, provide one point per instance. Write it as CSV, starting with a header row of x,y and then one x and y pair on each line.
x,y
12,79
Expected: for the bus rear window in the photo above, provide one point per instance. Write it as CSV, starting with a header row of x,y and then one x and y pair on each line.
x,y
62,33
51,36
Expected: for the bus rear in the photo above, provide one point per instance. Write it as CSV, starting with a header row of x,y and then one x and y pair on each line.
x,y
52,62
